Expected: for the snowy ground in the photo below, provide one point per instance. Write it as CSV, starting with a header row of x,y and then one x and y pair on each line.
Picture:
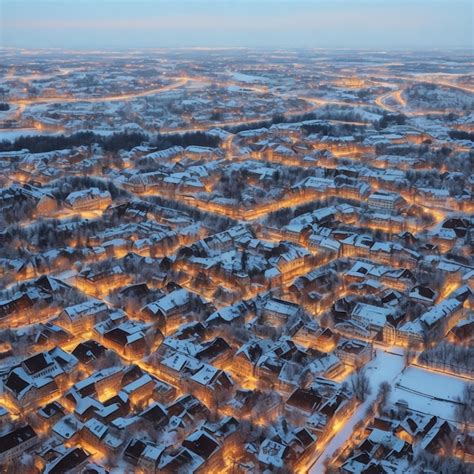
x,y
11,134
427,391
248,78
384,367
424,390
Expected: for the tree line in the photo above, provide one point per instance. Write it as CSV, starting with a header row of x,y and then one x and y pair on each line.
x,y
112,143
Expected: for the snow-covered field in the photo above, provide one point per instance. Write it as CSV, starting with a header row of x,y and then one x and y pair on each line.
x,y
248,78
426,391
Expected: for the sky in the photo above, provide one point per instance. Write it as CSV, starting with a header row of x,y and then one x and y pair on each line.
x,y
123,24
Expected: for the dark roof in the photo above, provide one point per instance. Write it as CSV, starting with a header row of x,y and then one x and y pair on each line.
x,y
187,403
172,286
154,413
36,363
176,464
424,291
132,373
464,330
15,383
374,468
304,399
49,284
203,445
326,334
88,351
67,462
140,289
134,449
15,438
51,332
224,428
51,409
191,329
10,306
331,406
94,469
304,436
352,346
213,348
117,335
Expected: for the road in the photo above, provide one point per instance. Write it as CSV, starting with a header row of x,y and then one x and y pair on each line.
x,y
386,366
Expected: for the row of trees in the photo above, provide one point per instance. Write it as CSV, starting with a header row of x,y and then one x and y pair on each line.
x,y
112,143
450,357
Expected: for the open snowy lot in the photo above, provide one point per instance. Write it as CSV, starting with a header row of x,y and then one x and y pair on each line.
x,y
427,391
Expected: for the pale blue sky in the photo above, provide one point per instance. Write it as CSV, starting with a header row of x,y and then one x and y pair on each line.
x,y
381,24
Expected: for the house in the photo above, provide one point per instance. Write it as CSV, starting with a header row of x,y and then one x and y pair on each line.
x,y
354,352
371,317
131,338
436,437
99,436
216,352
53,363
16,442
23,390
438,320
204,445
39,377
51,335
99,282
183,460
73,460
311,335
134,450
273,455
50,414
83,316
171,310
91,199
211,384
276,312
150,457
386,201
45,202
140,389
101,384
16,310
303,401
156,414
89,351
423,294
247,357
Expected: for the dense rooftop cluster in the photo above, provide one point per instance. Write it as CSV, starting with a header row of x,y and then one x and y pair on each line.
x,y
284,294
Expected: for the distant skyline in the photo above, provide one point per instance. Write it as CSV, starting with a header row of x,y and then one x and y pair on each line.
x,y
374,24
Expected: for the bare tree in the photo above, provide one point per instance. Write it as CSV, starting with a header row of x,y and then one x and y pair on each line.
x,y
464,411
360,384
383,395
